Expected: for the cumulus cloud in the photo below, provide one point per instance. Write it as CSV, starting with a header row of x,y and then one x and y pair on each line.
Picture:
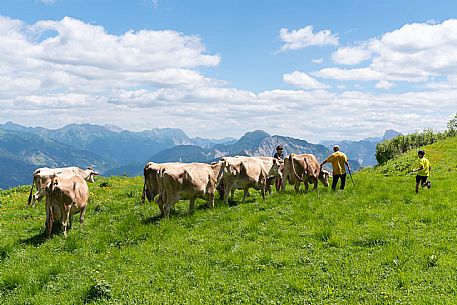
x,y
415,52
305,37
57,55
361,74
351,55
302,80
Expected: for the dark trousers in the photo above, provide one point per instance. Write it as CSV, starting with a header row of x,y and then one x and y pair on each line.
x,y
335,181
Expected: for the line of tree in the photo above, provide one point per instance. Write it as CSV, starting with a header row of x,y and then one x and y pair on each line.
x,y
394,147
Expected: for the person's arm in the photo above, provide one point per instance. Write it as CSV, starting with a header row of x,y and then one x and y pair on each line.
x,y
347,164
418,169
322,164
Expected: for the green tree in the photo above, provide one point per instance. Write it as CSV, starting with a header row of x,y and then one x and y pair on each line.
x,y
452,125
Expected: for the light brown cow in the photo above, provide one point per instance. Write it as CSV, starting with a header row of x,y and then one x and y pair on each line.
x,y
304,167
187,182
242,173
152,185
42,177
65,196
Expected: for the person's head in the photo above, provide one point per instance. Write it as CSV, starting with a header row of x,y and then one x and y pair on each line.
x,y
336,148
420,153
279,149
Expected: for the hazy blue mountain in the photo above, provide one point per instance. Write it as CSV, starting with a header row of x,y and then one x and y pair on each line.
x,y
21,152
110,142
182,153
390,133
208,143
114,151
255,143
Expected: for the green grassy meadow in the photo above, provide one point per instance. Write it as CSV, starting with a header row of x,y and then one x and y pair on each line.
x,y
375,243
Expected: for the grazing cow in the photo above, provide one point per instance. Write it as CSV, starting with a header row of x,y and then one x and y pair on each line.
x,y
151,184
42,177
187,182
66,195
242,173
304,167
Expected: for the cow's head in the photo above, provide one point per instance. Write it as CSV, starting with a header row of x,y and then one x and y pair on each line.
x,y
323,177
89,174
52,184
42,182
276,169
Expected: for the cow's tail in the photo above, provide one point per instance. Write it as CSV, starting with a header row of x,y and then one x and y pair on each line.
x,y
29,201
143,195
293,169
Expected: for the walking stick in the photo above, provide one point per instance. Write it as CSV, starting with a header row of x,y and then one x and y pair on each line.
x,y
350,175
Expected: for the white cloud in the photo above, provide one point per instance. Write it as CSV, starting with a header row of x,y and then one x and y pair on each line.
x,y
302,80
58,72
317,60
304,37
48,1
415,52
351,55
384,85
361,74
72,55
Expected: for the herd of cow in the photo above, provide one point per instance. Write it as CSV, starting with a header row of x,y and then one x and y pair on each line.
x,y
67,192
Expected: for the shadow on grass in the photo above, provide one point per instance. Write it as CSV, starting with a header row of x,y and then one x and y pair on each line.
x,y
151,220
36,240
41,237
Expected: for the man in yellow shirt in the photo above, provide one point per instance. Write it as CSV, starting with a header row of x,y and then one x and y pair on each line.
x,y
338,160
423,171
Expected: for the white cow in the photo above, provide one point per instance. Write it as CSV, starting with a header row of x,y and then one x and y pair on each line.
x,y
187,182
42,177
242,173
66,195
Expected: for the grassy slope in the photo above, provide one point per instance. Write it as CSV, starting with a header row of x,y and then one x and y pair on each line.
x,y
376,243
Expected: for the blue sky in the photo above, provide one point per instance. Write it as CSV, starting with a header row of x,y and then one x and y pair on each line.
x,y
309,69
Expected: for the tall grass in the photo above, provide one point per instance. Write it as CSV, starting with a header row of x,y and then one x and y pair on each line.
x,y
376,243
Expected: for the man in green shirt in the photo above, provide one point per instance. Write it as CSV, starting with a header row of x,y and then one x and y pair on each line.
x,y
423,171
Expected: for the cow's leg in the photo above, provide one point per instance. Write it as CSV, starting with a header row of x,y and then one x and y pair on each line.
x,y
81,216
166,210
227,192
245,194
306,185
211,200
65,218
192,206
269,182
297,185
316,182
50,220
283,183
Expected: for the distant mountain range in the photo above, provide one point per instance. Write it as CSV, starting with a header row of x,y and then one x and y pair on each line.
x,y
363,151
114,151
